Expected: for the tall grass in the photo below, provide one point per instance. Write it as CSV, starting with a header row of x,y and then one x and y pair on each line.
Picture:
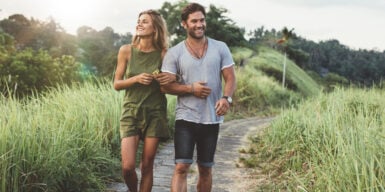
x,y
64,140
334,142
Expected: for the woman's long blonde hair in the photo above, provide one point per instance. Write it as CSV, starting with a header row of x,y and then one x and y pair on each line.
x,y
160,38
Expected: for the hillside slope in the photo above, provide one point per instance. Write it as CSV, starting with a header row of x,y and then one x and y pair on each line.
x,y
270,62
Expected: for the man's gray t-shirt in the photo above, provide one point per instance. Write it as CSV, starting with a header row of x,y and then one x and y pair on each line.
x,y
178,60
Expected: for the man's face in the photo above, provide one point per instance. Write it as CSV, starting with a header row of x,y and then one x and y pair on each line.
x,y
195,25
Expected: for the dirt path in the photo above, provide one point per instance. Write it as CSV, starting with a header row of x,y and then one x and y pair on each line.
x,y
227,177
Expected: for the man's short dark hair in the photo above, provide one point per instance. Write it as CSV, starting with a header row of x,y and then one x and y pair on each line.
x,y
191,8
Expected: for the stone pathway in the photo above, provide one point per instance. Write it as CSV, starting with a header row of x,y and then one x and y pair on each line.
x,y
227,177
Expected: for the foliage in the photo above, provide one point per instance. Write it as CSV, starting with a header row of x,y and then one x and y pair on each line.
x,y
35,55
223,28
218,26
171,13
329,81
260,93
333,142
363,67
35,34
241,54
96,50
99,49
270,62
27,71
61,141
66,139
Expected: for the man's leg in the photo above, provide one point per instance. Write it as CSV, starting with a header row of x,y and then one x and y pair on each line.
x,y
205,179
179,179
184,143
206,146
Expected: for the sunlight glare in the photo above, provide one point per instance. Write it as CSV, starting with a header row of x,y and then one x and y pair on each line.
x,y
73,11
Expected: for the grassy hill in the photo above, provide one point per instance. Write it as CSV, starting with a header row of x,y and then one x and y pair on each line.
x,y
330,141
270,62
259,82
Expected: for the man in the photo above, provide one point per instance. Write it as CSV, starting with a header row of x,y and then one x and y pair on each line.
x,y
199,63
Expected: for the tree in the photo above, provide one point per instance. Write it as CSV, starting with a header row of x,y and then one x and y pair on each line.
x,y
24,72
218,25
100,48
223,28
286,35
171,14
37,35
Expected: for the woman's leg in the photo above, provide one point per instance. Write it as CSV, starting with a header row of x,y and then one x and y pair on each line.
x,y
150,147
129,146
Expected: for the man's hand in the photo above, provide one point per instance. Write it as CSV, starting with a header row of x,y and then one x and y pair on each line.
x,y
221,107
199,89
164,78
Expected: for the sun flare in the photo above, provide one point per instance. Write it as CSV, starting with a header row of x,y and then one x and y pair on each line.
x,y
73,11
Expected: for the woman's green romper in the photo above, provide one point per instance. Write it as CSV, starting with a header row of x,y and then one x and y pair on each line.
x,y
144,110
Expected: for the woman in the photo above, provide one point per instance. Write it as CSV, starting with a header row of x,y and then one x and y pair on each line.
x,y
144,107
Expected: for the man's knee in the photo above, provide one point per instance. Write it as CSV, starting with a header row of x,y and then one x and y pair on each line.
x,y
181,168
205,171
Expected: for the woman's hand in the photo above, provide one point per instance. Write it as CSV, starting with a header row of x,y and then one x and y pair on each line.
x,y
144,78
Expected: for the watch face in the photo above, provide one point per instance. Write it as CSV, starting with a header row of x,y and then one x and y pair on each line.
x,y
229,99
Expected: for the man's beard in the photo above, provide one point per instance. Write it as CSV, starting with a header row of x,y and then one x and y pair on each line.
x,y
193,35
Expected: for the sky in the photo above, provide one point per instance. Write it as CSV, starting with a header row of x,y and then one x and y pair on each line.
x,y
358,24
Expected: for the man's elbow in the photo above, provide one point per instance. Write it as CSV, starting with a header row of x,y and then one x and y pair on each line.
x,y
162,89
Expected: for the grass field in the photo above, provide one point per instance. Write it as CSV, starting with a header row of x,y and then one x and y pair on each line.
x,y
333,142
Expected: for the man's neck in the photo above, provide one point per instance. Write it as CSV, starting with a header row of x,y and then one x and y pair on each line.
x,y
196,41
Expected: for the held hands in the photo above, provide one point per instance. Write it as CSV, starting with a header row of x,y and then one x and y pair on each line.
x,y
199,89
162,78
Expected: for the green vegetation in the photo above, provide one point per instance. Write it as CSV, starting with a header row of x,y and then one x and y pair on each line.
x,y
61,141
259,88
271,63
333,142
64,140
59,131
361,67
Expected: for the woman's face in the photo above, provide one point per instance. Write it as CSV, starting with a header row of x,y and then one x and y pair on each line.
x,y
144,26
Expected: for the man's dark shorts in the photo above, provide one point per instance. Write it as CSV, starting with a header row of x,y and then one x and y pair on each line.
x,y
203,136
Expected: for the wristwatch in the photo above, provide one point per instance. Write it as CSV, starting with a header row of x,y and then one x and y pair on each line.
x,y
228,99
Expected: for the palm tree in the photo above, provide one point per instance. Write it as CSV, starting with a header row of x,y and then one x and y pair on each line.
x,y
286,35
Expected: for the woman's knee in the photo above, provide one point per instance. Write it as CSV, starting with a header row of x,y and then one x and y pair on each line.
x,y
147,166
128,167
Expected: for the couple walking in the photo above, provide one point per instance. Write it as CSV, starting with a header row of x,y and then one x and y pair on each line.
x,y
193,70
